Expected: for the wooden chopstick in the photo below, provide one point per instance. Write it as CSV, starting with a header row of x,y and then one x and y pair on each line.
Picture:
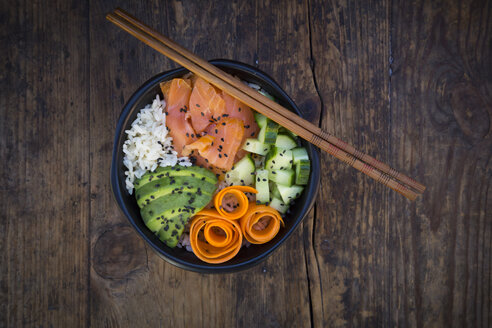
x,y
246,95
268,102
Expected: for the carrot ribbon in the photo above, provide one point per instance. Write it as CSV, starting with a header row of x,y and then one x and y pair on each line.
x,y
213,238
255,217
242,199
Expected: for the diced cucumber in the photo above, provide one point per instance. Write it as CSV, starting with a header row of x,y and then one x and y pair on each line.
x,y
289,193
261,134
286,131
278,159
303,167
279,205
282,177
260,119
298,154
263,195
266,94
274,190
285,142
242,172
255,146
271,131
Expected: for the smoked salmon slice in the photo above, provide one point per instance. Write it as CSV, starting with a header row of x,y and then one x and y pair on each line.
x,y
228,134
206,105
236,109
177,95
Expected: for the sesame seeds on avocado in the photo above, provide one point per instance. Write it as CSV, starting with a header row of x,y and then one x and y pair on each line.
x,y
175,171
172,185
168,201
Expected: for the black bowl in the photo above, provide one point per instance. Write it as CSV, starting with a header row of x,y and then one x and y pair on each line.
x,y
246,257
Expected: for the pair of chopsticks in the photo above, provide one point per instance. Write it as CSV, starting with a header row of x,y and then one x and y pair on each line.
x,y
366,164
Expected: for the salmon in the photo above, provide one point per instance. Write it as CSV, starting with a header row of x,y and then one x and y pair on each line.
x,y
206,105
177,94
228,134
200,145
236,109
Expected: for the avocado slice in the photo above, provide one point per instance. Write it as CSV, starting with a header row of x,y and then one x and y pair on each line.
x,y
168,215
166,186
175,171
178,202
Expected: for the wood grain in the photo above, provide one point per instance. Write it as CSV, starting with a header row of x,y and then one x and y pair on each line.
x,y
408,82
44,153
407,75
441,83
351,49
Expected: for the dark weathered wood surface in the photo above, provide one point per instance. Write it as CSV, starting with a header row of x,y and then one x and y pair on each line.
x,y
407,81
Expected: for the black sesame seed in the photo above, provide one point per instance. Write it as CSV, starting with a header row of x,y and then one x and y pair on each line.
x,y
202,113
197,105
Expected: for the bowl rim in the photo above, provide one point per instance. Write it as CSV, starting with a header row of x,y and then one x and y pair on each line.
x,y
312,190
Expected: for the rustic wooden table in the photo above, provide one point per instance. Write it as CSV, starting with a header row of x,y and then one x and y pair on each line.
x,y
407,81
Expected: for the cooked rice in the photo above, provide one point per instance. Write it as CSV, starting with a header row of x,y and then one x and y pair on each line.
x,y
148,145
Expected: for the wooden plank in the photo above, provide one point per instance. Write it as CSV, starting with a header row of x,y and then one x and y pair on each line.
x,y
44,152
441,109
385,261
350,44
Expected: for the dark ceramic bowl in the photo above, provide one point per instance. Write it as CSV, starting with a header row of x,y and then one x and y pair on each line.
x,y
246,257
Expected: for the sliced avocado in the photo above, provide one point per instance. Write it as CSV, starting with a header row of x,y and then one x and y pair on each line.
x,y
179,202
168,215
175,171
172,229
165,186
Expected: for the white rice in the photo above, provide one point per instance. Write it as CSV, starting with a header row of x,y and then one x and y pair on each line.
x,y
148,145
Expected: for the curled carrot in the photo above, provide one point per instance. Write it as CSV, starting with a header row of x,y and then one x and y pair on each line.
x,y
213,238
260,224
242,199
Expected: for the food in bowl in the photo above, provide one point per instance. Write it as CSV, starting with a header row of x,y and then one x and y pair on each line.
x,y
210,174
